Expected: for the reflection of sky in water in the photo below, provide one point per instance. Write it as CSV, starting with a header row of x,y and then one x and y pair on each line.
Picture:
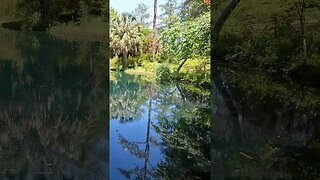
x,y
134,131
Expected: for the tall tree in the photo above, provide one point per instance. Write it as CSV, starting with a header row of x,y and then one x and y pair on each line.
x,y
154,31
169,15
141,13
191,9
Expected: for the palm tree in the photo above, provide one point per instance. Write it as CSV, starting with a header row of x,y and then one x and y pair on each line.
x,y
125,37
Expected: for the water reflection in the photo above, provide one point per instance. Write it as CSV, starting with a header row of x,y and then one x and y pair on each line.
x,y
157,131
264,127
53,100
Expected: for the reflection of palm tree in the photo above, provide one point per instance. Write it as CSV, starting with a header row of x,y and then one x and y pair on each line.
x,y
126,99
124,107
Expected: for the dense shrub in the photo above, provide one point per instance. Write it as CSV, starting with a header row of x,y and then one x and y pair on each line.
x,y
163,73
197,71
115,63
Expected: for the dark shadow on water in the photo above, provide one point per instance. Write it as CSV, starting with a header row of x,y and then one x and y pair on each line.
x,y
14,25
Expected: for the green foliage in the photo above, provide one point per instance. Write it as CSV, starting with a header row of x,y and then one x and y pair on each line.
x,y
170,15
146,57
197,71
271,52
42,14
191,9
267,34
31,21
115,63
163,73
113,14
125,37
179,41
187,39
149,66
29,12
146,35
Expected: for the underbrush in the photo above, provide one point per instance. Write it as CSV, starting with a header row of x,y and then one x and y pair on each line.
x,y
196,71
271,52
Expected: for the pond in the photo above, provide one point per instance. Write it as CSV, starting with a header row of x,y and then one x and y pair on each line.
x,y
53,107
264,127
54,119
54,116
158,131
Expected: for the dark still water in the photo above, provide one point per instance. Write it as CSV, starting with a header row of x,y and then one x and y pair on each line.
x,y
264,127
158,131
53,108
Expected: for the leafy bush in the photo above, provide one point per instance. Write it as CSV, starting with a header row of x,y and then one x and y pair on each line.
x,y
197,71
115,63
146,57
163,73
31,21
149,66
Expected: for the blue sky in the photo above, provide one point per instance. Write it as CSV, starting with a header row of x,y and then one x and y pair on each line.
x,y
129,5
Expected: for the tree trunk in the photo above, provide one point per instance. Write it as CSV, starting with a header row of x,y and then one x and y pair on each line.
x,y
124,61
222,19
154,31
301,8
303,30
181,65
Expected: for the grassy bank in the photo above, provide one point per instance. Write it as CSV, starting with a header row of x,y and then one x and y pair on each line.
x,y
4,19
90,28
195,71
141,71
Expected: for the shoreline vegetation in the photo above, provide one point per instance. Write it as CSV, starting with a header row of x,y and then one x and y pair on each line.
x,y
91,31
279,37
274,37
179,51
83,19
